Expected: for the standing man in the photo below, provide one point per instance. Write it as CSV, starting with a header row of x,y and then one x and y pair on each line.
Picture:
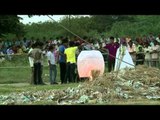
x,y
62,59
37,55
31,62
52,65
70,53
112,49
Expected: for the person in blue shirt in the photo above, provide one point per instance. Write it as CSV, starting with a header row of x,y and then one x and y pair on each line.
x,y
62,60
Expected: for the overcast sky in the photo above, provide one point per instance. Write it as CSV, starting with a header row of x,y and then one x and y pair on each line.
x,y
41,18
37,18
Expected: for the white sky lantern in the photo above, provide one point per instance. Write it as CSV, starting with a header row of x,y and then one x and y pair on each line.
x,y
88,61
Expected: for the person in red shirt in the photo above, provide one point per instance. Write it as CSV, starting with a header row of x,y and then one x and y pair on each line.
x,y
112,49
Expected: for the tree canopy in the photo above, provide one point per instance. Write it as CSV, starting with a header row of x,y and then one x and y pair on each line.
x,y
91,26
11,24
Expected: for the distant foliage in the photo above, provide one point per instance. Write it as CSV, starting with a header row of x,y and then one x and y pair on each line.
x,y
93,26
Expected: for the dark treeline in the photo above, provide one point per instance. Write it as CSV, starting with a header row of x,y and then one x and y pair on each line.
x,y
94,26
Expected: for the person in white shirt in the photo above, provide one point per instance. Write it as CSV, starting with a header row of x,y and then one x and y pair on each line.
x,y
132,49
124,59
52,65
154,54
31,62
147,52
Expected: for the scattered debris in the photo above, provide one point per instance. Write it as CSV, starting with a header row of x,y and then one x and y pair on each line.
x,y
139,83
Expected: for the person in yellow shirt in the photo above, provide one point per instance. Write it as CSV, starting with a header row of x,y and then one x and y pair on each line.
x,y
70,54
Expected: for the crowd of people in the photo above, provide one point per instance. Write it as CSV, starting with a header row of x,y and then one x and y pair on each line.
x,y
64,51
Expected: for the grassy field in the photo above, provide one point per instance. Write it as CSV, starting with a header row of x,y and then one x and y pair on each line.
x,y
18,71
21,75
21,87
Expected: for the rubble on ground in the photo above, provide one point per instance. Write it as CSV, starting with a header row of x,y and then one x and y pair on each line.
x,y
139,83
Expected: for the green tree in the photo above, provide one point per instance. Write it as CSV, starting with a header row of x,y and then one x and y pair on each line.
x,y
105,22
10,24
